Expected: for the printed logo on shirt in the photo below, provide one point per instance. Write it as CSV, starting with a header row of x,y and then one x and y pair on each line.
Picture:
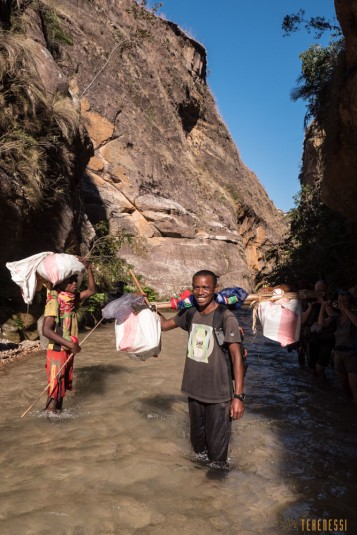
x,y
200,343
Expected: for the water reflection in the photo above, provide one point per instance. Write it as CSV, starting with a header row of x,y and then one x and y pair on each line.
x,y
117,460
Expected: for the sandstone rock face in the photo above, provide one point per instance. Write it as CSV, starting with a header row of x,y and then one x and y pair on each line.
x,y
312,159
338,153
163,166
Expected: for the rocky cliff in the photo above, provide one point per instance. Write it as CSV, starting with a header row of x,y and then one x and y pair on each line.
x,y
330,151
146,149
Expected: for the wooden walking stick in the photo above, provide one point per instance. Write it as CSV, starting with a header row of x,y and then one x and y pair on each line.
x,y
139,287
58,373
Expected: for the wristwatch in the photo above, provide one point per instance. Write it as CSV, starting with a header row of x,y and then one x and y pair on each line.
x,y
241,397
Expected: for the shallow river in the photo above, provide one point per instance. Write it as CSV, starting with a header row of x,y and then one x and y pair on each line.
x,y
118,459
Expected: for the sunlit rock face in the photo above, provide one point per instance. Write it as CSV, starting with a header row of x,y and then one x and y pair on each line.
x,y
162,165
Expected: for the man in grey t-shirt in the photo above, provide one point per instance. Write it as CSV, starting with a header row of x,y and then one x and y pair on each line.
x,y
206,379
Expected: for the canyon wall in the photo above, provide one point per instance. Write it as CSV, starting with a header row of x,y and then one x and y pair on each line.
x,y
330,151
151,155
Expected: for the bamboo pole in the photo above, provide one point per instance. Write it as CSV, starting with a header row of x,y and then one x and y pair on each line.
x,y
58,373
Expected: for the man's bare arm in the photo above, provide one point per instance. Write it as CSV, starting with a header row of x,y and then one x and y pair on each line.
x,y
237,406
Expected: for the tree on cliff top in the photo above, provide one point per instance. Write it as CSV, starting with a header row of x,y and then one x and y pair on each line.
x,y
317,25
317,62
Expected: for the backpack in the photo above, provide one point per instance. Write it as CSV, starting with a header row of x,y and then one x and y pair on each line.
x,y
219,334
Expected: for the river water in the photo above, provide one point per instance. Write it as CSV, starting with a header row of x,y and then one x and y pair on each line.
x,y
118,459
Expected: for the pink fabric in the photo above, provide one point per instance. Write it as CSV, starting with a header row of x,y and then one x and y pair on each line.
x,y
287,327
280,320
130,329
50,265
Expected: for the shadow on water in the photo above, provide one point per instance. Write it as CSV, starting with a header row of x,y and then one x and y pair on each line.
x,y
313,439
162,405
216,474
92,379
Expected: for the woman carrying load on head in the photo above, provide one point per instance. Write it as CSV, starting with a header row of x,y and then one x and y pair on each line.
x,y
60,326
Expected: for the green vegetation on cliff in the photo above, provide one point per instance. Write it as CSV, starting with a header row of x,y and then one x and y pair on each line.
x,y
36,134
321,245
317,62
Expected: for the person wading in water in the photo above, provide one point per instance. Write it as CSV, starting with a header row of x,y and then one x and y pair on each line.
x,y
60,326
207,380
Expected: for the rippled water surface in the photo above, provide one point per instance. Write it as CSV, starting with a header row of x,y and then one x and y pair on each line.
x,y
118,459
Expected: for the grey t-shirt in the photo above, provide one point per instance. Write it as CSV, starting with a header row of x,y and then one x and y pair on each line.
x,y
206,376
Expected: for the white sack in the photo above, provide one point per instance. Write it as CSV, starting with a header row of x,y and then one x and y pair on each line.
x,y
58,266
281,320
52,267
23,272
139,335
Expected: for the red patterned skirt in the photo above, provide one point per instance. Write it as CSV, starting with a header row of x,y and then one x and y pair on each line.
x,y
57,385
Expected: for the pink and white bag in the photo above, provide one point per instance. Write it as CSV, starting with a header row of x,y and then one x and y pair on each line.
x,y
56,267
139,335
48,266
281,319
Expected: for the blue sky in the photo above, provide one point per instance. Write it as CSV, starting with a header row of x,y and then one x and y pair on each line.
x,y
252,70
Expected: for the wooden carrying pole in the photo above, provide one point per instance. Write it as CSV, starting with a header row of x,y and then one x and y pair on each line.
x,y
139,287
60,370
256,298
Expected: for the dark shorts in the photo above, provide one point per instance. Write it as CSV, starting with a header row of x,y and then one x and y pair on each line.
x,y
345,361
319,354
57,386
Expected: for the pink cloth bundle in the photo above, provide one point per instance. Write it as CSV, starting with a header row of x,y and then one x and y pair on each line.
x,y
281,319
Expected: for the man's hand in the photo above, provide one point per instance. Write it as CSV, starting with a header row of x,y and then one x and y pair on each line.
x,y
342,307
237,409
